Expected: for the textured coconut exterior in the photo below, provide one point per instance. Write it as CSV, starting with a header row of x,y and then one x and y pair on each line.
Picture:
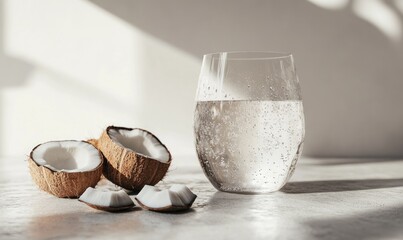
x,y
128,169
93,142
63,184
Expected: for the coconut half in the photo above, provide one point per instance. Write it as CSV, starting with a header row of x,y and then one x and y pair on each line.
x,y
94,142
134,157
106,200
65,168
176,198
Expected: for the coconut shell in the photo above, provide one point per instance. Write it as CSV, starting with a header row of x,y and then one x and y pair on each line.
x,y
127,168
63,184
93,142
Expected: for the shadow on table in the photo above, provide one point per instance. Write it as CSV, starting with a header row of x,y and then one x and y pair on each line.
x,y
340,185
275,212
80,225
382,223
347,161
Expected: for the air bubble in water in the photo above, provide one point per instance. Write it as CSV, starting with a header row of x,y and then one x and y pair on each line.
x,y
248,145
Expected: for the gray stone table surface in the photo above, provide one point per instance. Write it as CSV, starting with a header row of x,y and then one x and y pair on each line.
x,y
325,199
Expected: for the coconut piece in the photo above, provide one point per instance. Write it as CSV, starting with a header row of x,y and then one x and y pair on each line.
x,y
177,198
107,200
65,168
186,195
152,198
134,157
94,142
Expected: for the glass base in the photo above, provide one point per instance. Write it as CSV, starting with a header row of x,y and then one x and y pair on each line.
x,y
246,191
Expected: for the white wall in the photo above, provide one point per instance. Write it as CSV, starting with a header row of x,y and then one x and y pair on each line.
x,y
87,69
70,68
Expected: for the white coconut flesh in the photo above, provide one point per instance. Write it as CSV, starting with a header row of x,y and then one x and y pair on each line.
x,y
141,142
105,198
177,196
67,156
184,193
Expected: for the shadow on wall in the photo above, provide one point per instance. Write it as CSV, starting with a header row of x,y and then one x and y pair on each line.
x,y
90,69
13,71
348,56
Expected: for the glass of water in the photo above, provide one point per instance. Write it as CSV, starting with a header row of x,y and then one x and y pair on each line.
x,y
249,121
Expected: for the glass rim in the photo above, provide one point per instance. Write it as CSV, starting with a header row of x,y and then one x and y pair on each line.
x,y
251,55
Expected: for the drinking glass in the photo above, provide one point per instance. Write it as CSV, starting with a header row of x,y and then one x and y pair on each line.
x,y
249,121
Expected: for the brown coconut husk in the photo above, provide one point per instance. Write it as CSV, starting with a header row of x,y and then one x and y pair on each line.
x,y
128,169
63,184
93,142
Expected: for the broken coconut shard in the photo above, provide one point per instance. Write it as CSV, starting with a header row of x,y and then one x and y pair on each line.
x,y
176,198
65,168
106,200
134,157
